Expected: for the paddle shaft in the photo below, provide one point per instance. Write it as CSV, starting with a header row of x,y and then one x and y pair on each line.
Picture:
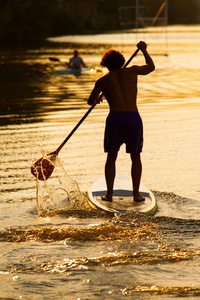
x,y
88,112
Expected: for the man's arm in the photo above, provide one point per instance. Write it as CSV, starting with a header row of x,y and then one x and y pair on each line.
x,y
94,96
149,67
83,63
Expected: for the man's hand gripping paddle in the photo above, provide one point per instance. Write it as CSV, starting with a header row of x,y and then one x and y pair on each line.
x,y
43,168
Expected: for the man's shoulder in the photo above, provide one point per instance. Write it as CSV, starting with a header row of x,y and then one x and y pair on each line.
x,y
104,77
133,68
79,58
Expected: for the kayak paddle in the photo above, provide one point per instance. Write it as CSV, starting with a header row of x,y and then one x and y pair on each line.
x,y
54,59
43,168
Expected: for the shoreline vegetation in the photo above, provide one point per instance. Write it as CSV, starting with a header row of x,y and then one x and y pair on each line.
x,y
32,21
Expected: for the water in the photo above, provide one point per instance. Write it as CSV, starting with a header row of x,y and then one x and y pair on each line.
x,y
53,245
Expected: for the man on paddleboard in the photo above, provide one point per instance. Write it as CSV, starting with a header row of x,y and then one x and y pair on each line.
x,y
123,124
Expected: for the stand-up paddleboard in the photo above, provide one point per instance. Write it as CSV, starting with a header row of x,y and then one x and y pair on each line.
x,y
122,197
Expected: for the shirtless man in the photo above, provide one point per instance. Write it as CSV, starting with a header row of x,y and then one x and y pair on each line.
x,y
76,61
123,124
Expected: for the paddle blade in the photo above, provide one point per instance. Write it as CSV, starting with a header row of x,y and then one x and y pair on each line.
x,y
54,59
43,168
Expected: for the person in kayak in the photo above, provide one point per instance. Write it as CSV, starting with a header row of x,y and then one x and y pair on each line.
x,y
76,61
123,124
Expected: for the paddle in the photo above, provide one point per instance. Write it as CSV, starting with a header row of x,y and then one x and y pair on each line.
x,y
54,59
43,168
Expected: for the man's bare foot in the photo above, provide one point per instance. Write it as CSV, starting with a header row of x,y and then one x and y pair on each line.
x,y
138,198
107,198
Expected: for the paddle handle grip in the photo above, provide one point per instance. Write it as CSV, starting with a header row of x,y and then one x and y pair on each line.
x,y
88,112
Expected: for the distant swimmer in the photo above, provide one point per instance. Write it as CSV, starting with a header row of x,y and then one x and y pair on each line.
x,y
76,61
123,124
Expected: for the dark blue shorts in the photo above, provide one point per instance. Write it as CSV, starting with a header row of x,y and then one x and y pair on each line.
x,y
123,127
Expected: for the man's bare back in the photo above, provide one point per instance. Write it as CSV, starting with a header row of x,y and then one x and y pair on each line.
x,y
120,89
120,85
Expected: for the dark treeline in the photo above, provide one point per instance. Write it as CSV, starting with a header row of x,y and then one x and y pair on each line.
x,y
33,20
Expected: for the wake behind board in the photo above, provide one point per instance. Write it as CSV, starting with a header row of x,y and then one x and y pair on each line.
x,y
122,197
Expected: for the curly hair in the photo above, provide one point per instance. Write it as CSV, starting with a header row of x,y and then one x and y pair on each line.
x,y
112,59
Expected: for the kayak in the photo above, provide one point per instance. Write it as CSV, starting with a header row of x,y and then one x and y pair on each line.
x,y
74,71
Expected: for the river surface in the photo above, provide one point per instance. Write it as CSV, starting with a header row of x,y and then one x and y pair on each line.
x,y
52,244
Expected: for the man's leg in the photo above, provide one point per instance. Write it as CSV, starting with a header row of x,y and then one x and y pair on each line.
x,y
136,172
110,174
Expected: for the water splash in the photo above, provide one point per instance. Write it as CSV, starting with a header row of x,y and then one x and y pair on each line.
x,y
59,193
174,206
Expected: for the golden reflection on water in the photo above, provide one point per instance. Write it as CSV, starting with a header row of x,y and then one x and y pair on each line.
x,y
63,236
107,231
156,256
176,291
